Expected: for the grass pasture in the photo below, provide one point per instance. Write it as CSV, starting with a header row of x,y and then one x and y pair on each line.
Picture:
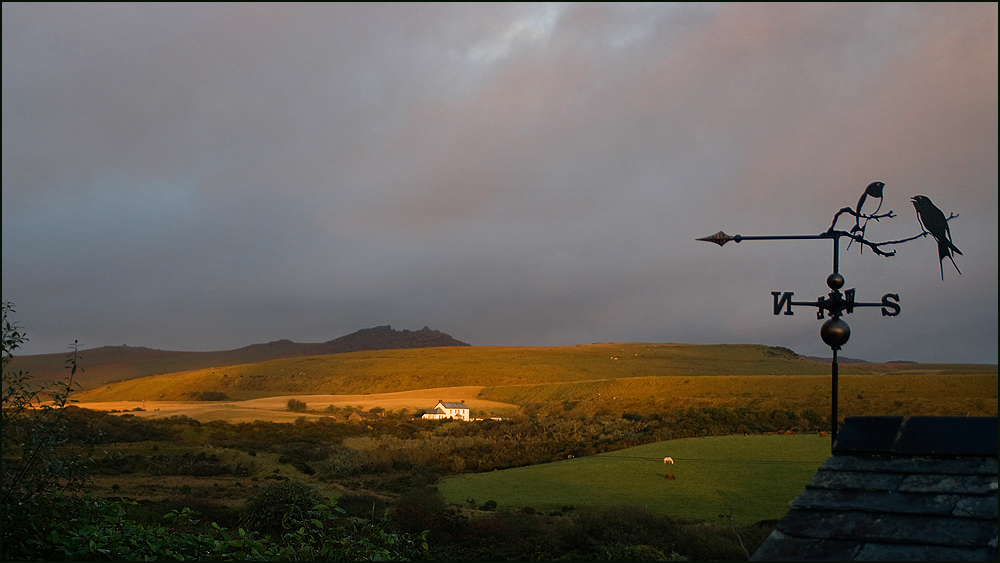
x,y
757,475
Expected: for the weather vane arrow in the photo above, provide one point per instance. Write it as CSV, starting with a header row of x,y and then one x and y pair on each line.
x,y
720,238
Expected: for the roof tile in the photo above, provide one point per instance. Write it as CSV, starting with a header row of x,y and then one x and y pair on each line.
x,y
781,547
895,552
876,502
977,507
958,484
886,528
856,480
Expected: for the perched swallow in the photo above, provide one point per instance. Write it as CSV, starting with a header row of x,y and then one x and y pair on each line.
x,y
874,190
934,222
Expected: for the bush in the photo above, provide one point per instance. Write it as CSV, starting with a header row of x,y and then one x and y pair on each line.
x,y
95,427
279,505
210,396
95,529
425,509
34,426
362,505
296,405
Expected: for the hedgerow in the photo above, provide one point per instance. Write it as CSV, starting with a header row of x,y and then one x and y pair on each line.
x,y
89,529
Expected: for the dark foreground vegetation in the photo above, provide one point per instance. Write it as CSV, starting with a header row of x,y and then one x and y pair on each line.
x,y
387,506
260,491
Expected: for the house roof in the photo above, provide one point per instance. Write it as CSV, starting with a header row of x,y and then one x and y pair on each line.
x,y
453,405
897,488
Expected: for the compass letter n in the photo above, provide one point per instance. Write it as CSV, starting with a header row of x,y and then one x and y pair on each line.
x,y
783,301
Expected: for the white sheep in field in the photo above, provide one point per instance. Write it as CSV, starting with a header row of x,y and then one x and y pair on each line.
x,y
668,460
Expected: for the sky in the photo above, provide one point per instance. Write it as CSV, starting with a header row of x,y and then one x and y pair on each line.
x,y
209,176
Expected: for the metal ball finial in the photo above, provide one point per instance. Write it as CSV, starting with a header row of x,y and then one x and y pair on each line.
x,y
835,281
835,332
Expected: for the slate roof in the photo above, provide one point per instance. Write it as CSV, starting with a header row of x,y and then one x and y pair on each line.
x,y
897,488
453,405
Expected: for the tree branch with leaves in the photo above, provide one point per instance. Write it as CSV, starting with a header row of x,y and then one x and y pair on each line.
x,y
34,425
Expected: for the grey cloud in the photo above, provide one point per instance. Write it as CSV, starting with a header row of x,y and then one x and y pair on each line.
x,y
202,177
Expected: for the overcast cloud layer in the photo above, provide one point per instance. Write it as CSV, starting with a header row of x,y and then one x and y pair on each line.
x,y
203,177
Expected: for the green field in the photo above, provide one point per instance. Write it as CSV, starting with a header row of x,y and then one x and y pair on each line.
x,y
757,475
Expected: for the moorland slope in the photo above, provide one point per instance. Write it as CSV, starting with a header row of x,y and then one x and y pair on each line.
x,y
120,363
587,379
385,371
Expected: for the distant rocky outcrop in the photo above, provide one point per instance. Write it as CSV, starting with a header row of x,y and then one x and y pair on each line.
x,y
375,338
386,338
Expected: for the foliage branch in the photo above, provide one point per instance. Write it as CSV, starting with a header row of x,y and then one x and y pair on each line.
x,y
34,425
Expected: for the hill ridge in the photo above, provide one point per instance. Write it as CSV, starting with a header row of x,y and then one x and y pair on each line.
x,y
106,364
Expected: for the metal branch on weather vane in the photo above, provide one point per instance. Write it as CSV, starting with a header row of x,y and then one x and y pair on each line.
x,y
835,332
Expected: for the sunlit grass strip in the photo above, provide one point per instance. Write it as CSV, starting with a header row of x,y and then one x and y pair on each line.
x,y
888,394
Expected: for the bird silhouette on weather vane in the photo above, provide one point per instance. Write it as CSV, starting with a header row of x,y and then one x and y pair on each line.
x,y
933,221
874,190
835,332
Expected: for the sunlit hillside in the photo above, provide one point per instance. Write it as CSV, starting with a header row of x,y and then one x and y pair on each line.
x,y
617,376
926,394
402,370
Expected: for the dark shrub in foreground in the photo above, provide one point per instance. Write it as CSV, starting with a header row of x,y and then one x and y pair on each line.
x,y
287,502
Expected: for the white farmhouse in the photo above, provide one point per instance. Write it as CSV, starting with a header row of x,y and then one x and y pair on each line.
x,y
448,410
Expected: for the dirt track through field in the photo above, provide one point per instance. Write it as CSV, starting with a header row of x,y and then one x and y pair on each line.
x,y
276,408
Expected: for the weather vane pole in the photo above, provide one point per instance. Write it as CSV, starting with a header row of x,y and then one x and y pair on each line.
x,y
835,332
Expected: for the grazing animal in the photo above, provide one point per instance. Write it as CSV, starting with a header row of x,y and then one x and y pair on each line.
x,y
668,460
671,476
934,222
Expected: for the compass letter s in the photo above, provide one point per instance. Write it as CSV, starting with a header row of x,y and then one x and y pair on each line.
x,y
890,305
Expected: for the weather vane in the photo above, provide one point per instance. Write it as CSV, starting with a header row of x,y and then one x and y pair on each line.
x,y
835,332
